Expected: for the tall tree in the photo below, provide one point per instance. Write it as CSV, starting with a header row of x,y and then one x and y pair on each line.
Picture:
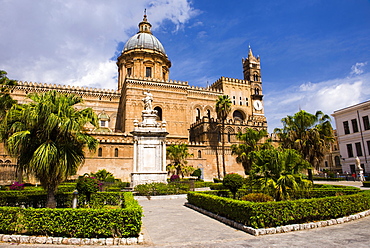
x,y
6,101
250,139
178,155
223,108
47,136
309,134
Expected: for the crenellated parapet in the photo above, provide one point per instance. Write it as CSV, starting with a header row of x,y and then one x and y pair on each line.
x,y
28,87
222,80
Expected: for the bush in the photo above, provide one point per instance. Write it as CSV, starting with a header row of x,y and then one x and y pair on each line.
x,y
174,178
271,214
152,189
217,186
87,186
257,197
233,182
80,223
197,173
16,186
366,183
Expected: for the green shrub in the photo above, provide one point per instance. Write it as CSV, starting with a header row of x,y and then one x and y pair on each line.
x,y
270,214
217,186
88,223
233,182
197,173
87,185
257,197
152,189
366,183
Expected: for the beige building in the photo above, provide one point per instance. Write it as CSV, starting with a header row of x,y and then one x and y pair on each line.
x,y
189,111
353,129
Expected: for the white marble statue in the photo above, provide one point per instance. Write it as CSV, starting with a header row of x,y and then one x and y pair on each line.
x,y
360,170
148,100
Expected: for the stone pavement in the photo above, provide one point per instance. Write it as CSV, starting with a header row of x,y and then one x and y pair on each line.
x,y
168,223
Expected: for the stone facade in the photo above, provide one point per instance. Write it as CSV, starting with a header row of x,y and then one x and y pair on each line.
x,y
189,111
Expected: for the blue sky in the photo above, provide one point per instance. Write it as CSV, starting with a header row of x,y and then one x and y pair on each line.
x,y
315,55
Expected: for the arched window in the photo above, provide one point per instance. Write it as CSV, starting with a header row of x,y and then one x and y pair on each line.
x,y
8,161
255,77
256,91
197,113
219,136
209,114
129,71
229,137
238,115
199,154
116,152
159,113
100,152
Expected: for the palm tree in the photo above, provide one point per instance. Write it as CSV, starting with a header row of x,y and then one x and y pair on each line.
x,y
47,137
309,134
223,108
6,101
250,141
279,171
178,154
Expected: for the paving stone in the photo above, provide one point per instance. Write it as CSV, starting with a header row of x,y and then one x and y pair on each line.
x,y
6,238
74,241
109,241
49,240
40,240
14,238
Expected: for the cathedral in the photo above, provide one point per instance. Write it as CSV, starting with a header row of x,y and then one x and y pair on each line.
x,y
189,111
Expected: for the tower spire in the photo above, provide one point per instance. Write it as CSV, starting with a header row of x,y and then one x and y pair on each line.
x,y
250,53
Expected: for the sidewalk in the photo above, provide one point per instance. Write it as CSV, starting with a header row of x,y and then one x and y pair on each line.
x,y
357,184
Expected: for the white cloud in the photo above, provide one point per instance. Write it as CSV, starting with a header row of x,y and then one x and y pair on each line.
x,y
357,68
72,42
326,96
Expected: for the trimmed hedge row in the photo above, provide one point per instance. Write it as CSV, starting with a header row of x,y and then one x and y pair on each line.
x,y
271,214
37,199
80,223
366,183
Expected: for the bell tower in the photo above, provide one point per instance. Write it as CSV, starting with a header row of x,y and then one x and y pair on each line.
x,y
252,74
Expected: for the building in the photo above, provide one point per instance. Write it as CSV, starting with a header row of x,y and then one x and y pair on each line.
x,y
353,129
188,111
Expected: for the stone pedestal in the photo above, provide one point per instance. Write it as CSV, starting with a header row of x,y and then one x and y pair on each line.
x,y
149,160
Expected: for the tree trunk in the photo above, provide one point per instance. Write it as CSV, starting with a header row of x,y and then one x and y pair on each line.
x,y
50,200
223,147
218,163
310,177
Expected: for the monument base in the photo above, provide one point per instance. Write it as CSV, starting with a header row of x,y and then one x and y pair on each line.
x,y
138,178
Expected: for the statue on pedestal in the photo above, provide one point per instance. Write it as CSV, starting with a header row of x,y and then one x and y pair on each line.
x,y
360,170
148,101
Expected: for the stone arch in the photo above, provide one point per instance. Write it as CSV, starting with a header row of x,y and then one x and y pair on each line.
x,y
159,113
239,115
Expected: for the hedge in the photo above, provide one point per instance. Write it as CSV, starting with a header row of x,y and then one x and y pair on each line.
x,y
366,183
80,223
37,199
271,214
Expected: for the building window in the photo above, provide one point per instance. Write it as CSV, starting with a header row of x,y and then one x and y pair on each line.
x,y
103,123
337,161
349,150
346,127
246,101
199,154
353,168
358,149
326,164
238,115
116,152
209,114
354,125
159,113
148,72
256,91
365,119
368,146
197,113
100,152
129,70
229,137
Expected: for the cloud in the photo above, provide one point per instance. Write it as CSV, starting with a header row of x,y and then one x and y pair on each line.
x,y
75,42
357,68
326,96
